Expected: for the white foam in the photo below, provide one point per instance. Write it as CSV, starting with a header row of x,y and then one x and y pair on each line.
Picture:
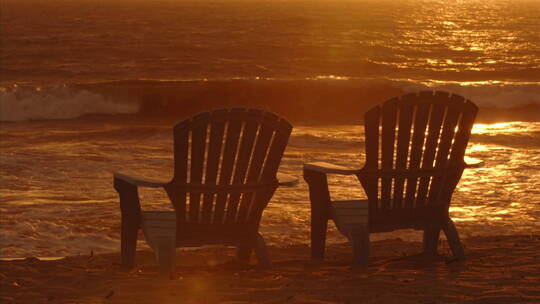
x,y
500,96
62,102
494,94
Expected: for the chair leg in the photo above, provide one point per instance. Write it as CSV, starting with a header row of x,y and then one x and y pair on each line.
x,y
128,246
431,239
320,203
131,215
166,254
360,246
261,251
453,240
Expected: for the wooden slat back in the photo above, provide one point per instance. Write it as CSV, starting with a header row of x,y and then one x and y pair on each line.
x,y
227,147
438,108
388,135
457,153
198,149
416,132
227,165
181,145
453,113
244,157
403,140
371,127
417,145
215,143
267,153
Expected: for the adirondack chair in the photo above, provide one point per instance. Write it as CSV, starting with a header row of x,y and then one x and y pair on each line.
x,y
225,166
415,147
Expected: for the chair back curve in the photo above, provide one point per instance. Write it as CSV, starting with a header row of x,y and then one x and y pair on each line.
x,y
415,146
225,165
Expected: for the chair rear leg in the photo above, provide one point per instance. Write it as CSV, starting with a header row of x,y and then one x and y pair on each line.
x,y
261,251
360,246
453,240
431,239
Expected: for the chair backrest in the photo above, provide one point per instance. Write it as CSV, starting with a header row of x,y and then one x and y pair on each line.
x,y
225,165
415,145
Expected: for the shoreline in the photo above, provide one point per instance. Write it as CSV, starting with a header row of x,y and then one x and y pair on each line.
x,y
498,269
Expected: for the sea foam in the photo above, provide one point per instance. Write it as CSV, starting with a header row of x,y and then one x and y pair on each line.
x,y
321,99
19,104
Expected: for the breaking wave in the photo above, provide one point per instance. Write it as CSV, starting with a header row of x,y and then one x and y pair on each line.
x,y
19,104
322,99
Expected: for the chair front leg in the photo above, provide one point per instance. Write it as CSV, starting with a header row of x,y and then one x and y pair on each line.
x,y
131,221
319,196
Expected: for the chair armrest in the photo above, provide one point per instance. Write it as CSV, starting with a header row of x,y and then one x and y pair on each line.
x,y
287,180
328,168
137,181
475,164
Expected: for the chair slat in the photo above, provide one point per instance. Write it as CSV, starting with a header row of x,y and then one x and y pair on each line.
x,y
430,148
158,216
463,133
217,129
389,114
459,146
371,122
159,224
181,145
259,154
417,143
276,150
350,211
271,165
242,163
198,147
227,165
371,130
453,112
403,142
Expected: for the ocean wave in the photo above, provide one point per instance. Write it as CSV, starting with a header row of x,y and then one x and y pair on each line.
x,y
20,104
322,99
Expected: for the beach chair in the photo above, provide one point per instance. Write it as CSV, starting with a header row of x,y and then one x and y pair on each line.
x,y
415,147
225,168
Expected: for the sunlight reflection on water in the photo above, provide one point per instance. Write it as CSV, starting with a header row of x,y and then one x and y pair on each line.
x,y
57,196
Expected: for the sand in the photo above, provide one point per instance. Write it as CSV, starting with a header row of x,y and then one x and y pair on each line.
x,y
502,269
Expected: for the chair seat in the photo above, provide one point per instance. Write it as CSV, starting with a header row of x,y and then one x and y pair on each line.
x,y
158,225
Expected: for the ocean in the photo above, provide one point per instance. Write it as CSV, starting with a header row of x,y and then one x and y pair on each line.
x,y
88,88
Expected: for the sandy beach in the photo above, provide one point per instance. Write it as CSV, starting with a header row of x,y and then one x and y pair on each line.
x,y
90,88
497,270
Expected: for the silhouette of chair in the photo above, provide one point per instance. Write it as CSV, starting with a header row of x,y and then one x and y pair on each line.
x,y
415,147
225,167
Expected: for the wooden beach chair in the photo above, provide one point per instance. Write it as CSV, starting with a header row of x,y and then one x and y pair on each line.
x,y
225,173
415,147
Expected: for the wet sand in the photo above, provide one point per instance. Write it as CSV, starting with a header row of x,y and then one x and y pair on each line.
x,y
498,270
